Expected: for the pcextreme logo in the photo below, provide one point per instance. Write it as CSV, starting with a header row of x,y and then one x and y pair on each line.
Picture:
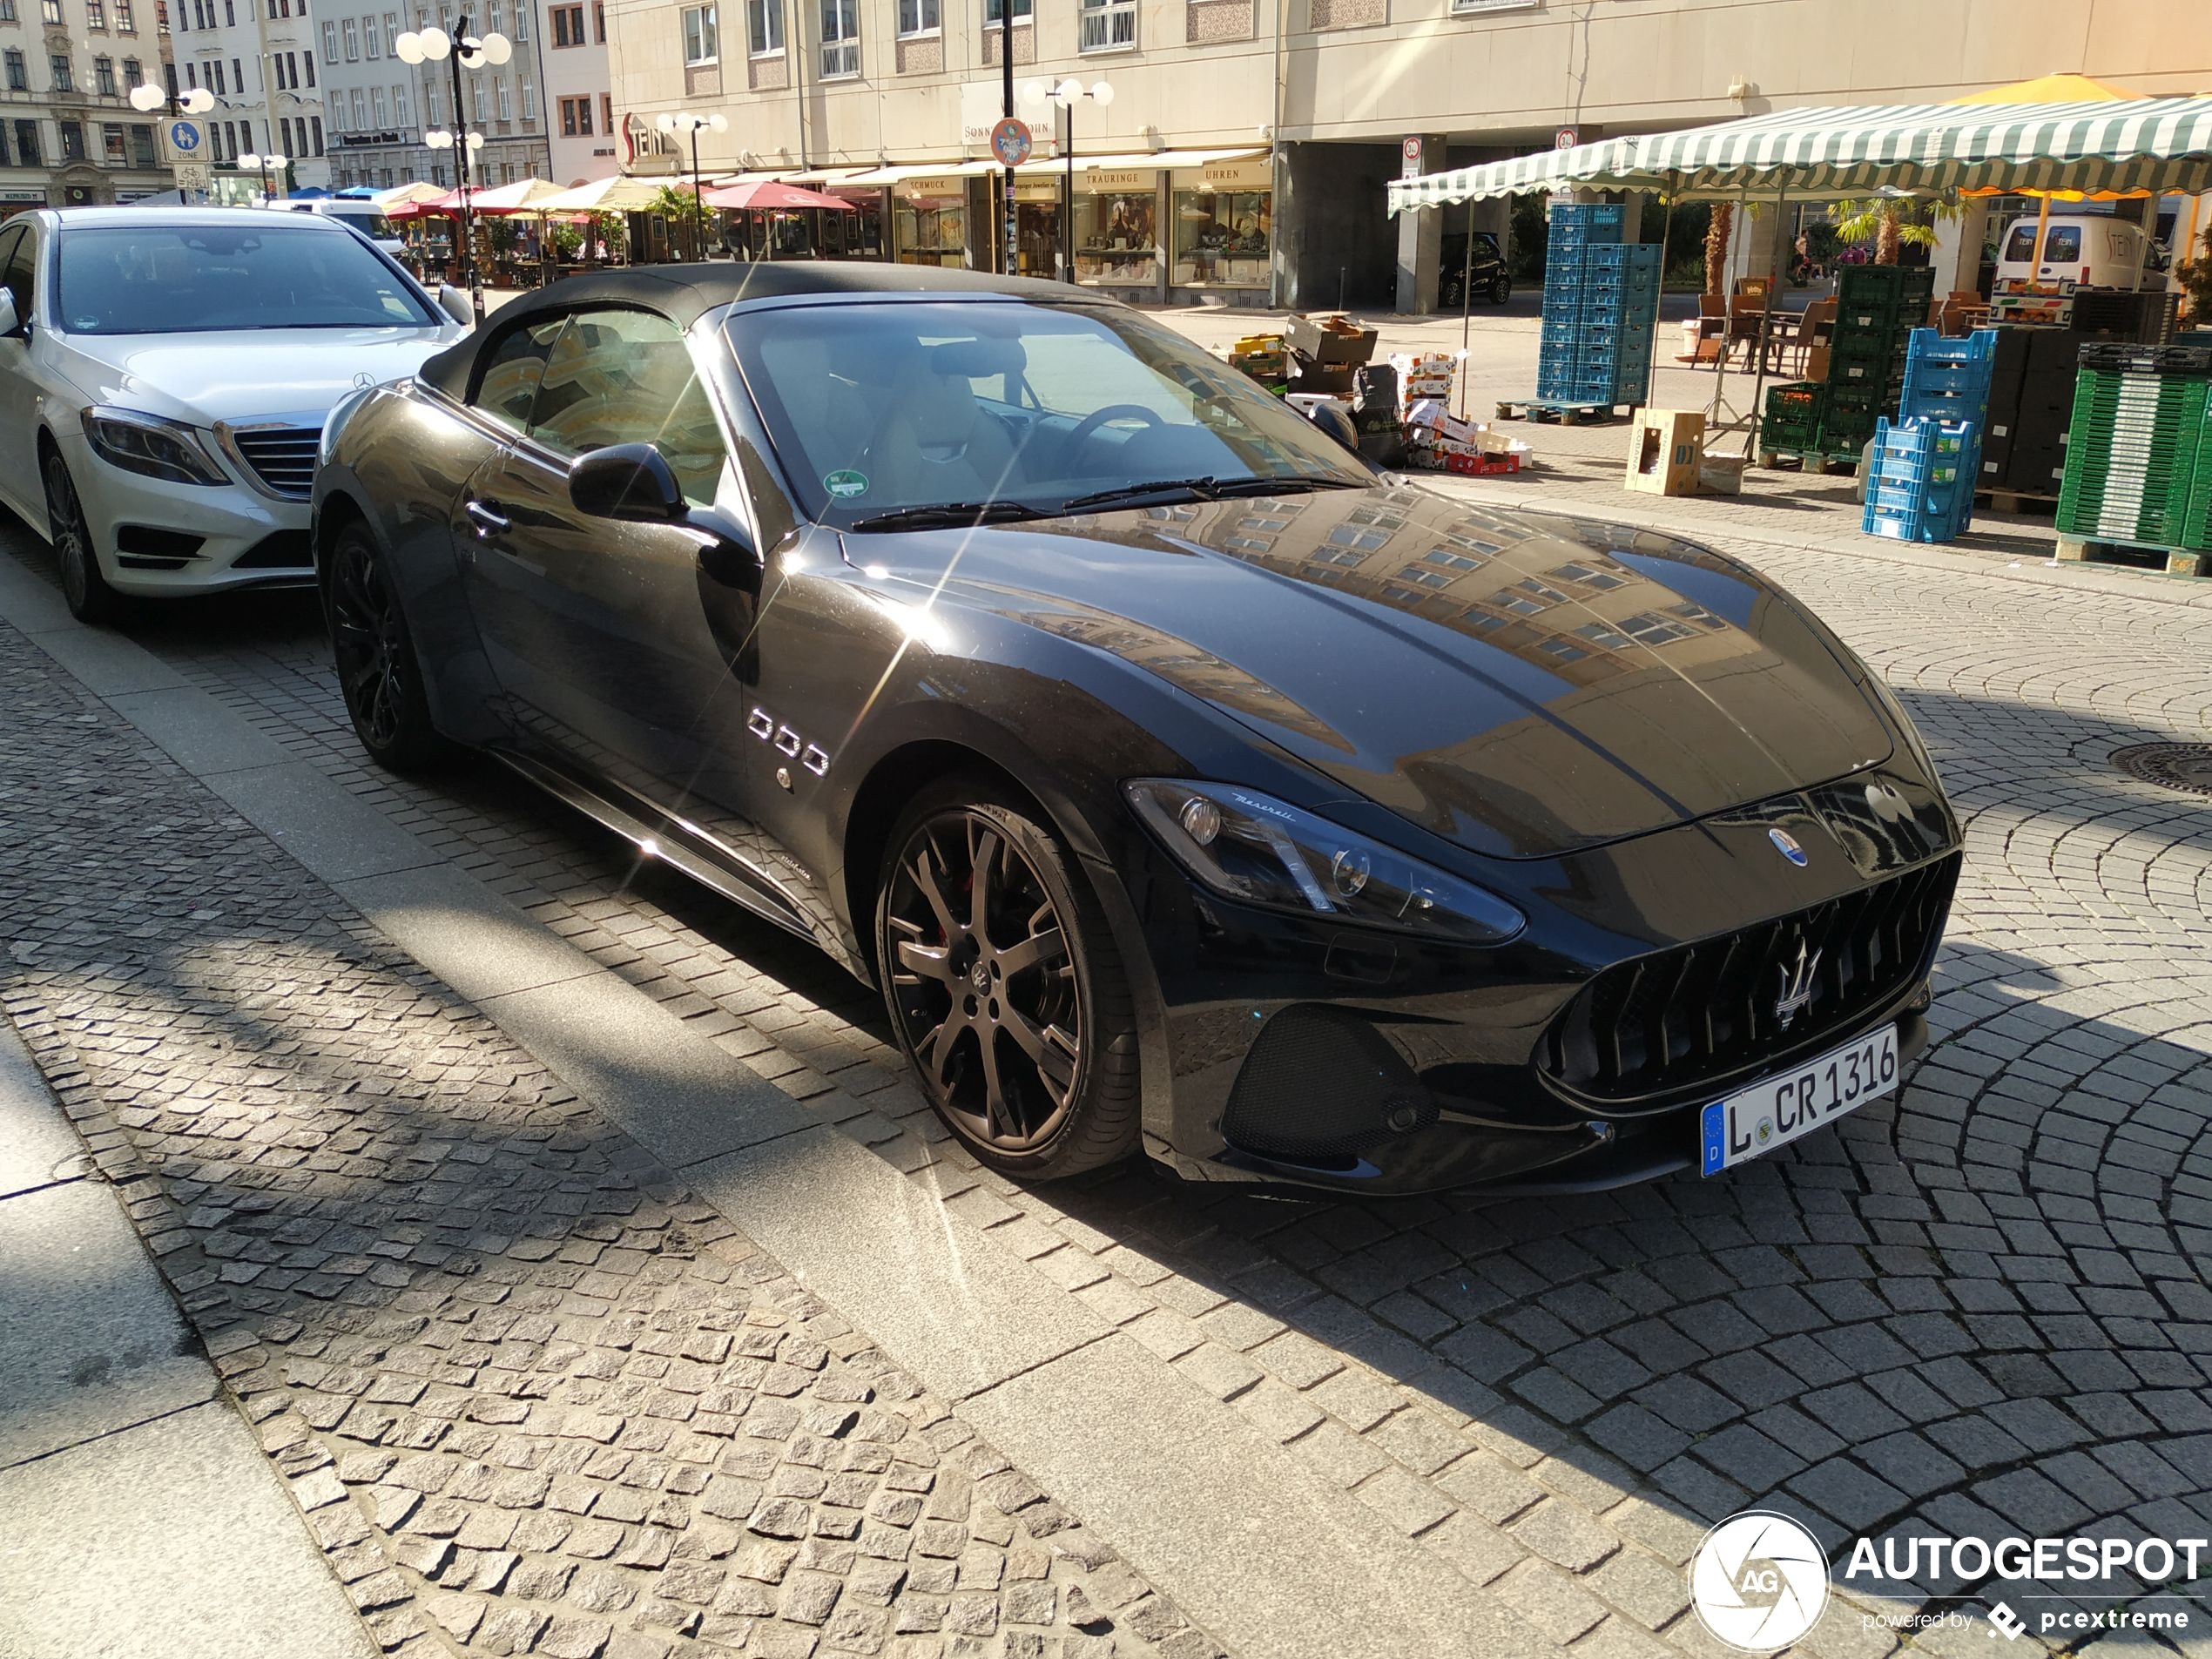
x,y
1759,1581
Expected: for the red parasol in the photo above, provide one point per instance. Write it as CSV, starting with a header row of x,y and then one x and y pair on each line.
x,y
767,195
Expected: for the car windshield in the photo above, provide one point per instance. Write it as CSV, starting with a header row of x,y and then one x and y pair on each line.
x,y
196,278
884,409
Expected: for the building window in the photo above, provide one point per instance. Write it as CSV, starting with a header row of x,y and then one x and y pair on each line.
x,y
567,26
215,77
433,105
27,144
95,14
104,76
353,42
361,111
391,28
399,104
307,63
133,77
917,17
142,152
1109,25
522,21
372,38
994,11
329,42
477,98
72,137
499,98
18,71
125,22
529,103
376,106
51,10
575,117
765,27
6,10
840,39
599,21
701,33
607,113
64,77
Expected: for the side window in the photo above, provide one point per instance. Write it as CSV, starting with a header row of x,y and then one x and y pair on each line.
x,y
2019,246
2063,245
626,377
18,264
508,384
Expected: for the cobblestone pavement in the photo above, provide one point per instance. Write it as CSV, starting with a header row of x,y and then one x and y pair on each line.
x,y
532,1396
1981,1307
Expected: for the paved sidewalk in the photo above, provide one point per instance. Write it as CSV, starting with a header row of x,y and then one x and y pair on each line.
x,y
137,1514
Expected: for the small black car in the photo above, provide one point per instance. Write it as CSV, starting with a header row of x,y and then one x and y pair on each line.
x,y
1482,269
1185,783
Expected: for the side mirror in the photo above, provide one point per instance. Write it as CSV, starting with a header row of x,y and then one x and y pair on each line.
x,y
629,481
457,305
9,323
1331,419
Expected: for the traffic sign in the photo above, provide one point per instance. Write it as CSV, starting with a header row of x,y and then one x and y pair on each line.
x,y
183,139
1565,138
1410,150
1010,141
192,175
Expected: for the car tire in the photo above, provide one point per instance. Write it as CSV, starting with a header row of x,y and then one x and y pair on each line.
x,y
379,674
1500,290
1027,1046
85,589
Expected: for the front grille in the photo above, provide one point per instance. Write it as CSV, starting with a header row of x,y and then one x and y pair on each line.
x,y
1683,1021
283,457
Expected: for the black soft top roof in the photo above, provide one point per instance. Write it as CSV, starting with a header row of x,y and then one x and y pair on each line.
x,y
684,292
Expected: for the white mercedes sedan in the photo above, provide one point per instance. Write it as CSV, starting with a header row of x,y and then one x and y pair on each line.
x,y
165,376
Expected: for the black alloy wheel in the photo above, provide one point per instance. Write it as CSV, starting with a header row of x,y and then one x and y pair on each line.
x,y
84,589
1003,986
377,672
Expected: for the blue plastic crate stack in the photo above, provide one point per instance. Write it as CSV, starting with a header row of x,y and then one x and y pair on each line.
x,y
1920,485
1600,302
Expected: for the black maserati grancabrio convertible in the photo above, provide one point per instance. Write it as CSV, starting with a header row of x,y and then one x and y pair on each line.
x,y
1184,783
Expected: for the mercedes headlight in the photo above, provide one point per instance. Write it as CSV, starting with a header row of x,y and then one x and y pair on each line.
x,y
149,445
1250,847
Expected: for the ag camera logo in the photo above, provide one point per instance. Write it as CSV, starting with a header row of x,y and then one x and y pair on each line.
x,y
1759,1581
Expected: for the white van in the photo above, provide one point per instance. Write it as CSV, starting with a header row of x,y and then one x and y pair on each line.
x,y
364,216
2089,249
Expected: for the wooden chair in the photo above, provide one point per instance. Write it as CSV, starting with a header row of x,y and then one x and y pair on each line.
x,y
1746,319
1712,328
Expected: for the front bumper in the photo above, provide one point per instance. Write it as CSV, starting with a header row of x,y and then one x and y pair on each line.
x,y
158,539
1296,1051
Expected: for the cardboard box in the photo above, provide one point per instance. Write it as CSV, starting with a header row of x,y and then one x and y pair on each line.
x,y
1308,375
1666,451
1331,337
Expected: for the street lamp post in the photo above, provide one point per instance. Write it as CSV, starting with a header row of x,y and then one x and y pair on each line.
x,y
679,121
265,165
465,50
149,95
1065,95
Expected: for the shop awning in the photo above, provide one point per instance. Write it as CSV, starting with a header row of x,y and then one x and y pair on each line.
x,y
2161,144
1138,161
868,177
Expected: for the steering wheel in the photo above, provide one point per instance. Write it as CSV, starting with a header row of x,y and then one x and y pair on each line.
x,y
1097,418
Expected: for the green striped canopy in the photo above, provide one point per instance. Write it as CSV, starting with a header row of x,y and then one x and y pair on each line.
x,y
2162,145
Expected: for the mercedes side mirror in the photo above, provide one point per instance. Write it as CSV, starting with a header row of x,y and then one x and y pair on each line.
x,y
455,305
10,324
629,481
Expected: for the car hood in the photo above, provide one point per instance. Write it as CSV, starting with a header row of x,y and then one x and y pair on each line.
x,y
245,374
1522,684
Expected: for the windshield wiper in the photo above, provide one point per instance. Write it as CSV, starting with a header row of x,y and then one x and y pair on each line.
x,y
951,515
1204,488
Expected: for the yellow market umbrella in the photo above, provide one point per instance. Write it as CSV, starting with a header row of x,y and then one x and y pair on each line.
x,y
2053,89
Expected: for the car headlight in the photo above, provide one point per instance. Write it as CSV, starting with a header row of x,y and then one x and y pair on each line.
x,y
1248,845
148,444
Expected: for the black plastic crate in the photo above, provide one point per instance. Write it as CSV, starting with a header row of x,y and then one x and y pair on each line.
x,y
2120,357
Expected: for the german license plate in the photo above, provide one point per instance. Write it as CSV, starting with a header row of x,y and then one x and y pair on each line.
x,y
1778,1110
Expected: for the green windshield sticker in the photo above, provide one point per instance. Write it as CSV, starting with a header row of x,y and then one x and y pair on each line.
x,y
846,484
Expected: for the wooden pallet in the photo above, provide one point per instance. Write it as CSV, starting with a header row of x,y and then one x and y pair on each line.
x,y
2179,560
2016,500
1812,461
1559,411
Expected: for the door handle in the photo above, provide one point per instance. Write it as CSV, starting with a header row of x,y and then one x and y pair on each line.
x,y
488,520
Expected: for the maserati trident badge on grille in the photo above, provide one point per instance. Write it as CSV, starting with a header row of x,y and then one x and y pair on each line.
x,y
1796,986
1787,844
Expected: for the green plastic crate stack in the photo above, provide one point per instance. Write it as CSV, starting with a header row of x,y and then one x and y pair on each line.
x,y
2133,450
1877,308
2196,525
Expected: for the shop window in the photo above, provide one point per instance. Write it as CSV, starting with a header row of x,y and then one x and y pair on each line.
x,y
1223,238
1116,242
763,26
840,39
931,228
702,34
1109,25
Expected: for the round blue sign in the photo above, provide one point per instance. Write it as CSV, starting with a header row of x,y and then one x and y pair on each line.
x,y
184,137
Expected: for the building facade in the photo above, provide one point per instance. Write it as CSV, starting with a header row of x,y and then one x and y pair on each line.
x,y
68,134
257,58
1248,143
